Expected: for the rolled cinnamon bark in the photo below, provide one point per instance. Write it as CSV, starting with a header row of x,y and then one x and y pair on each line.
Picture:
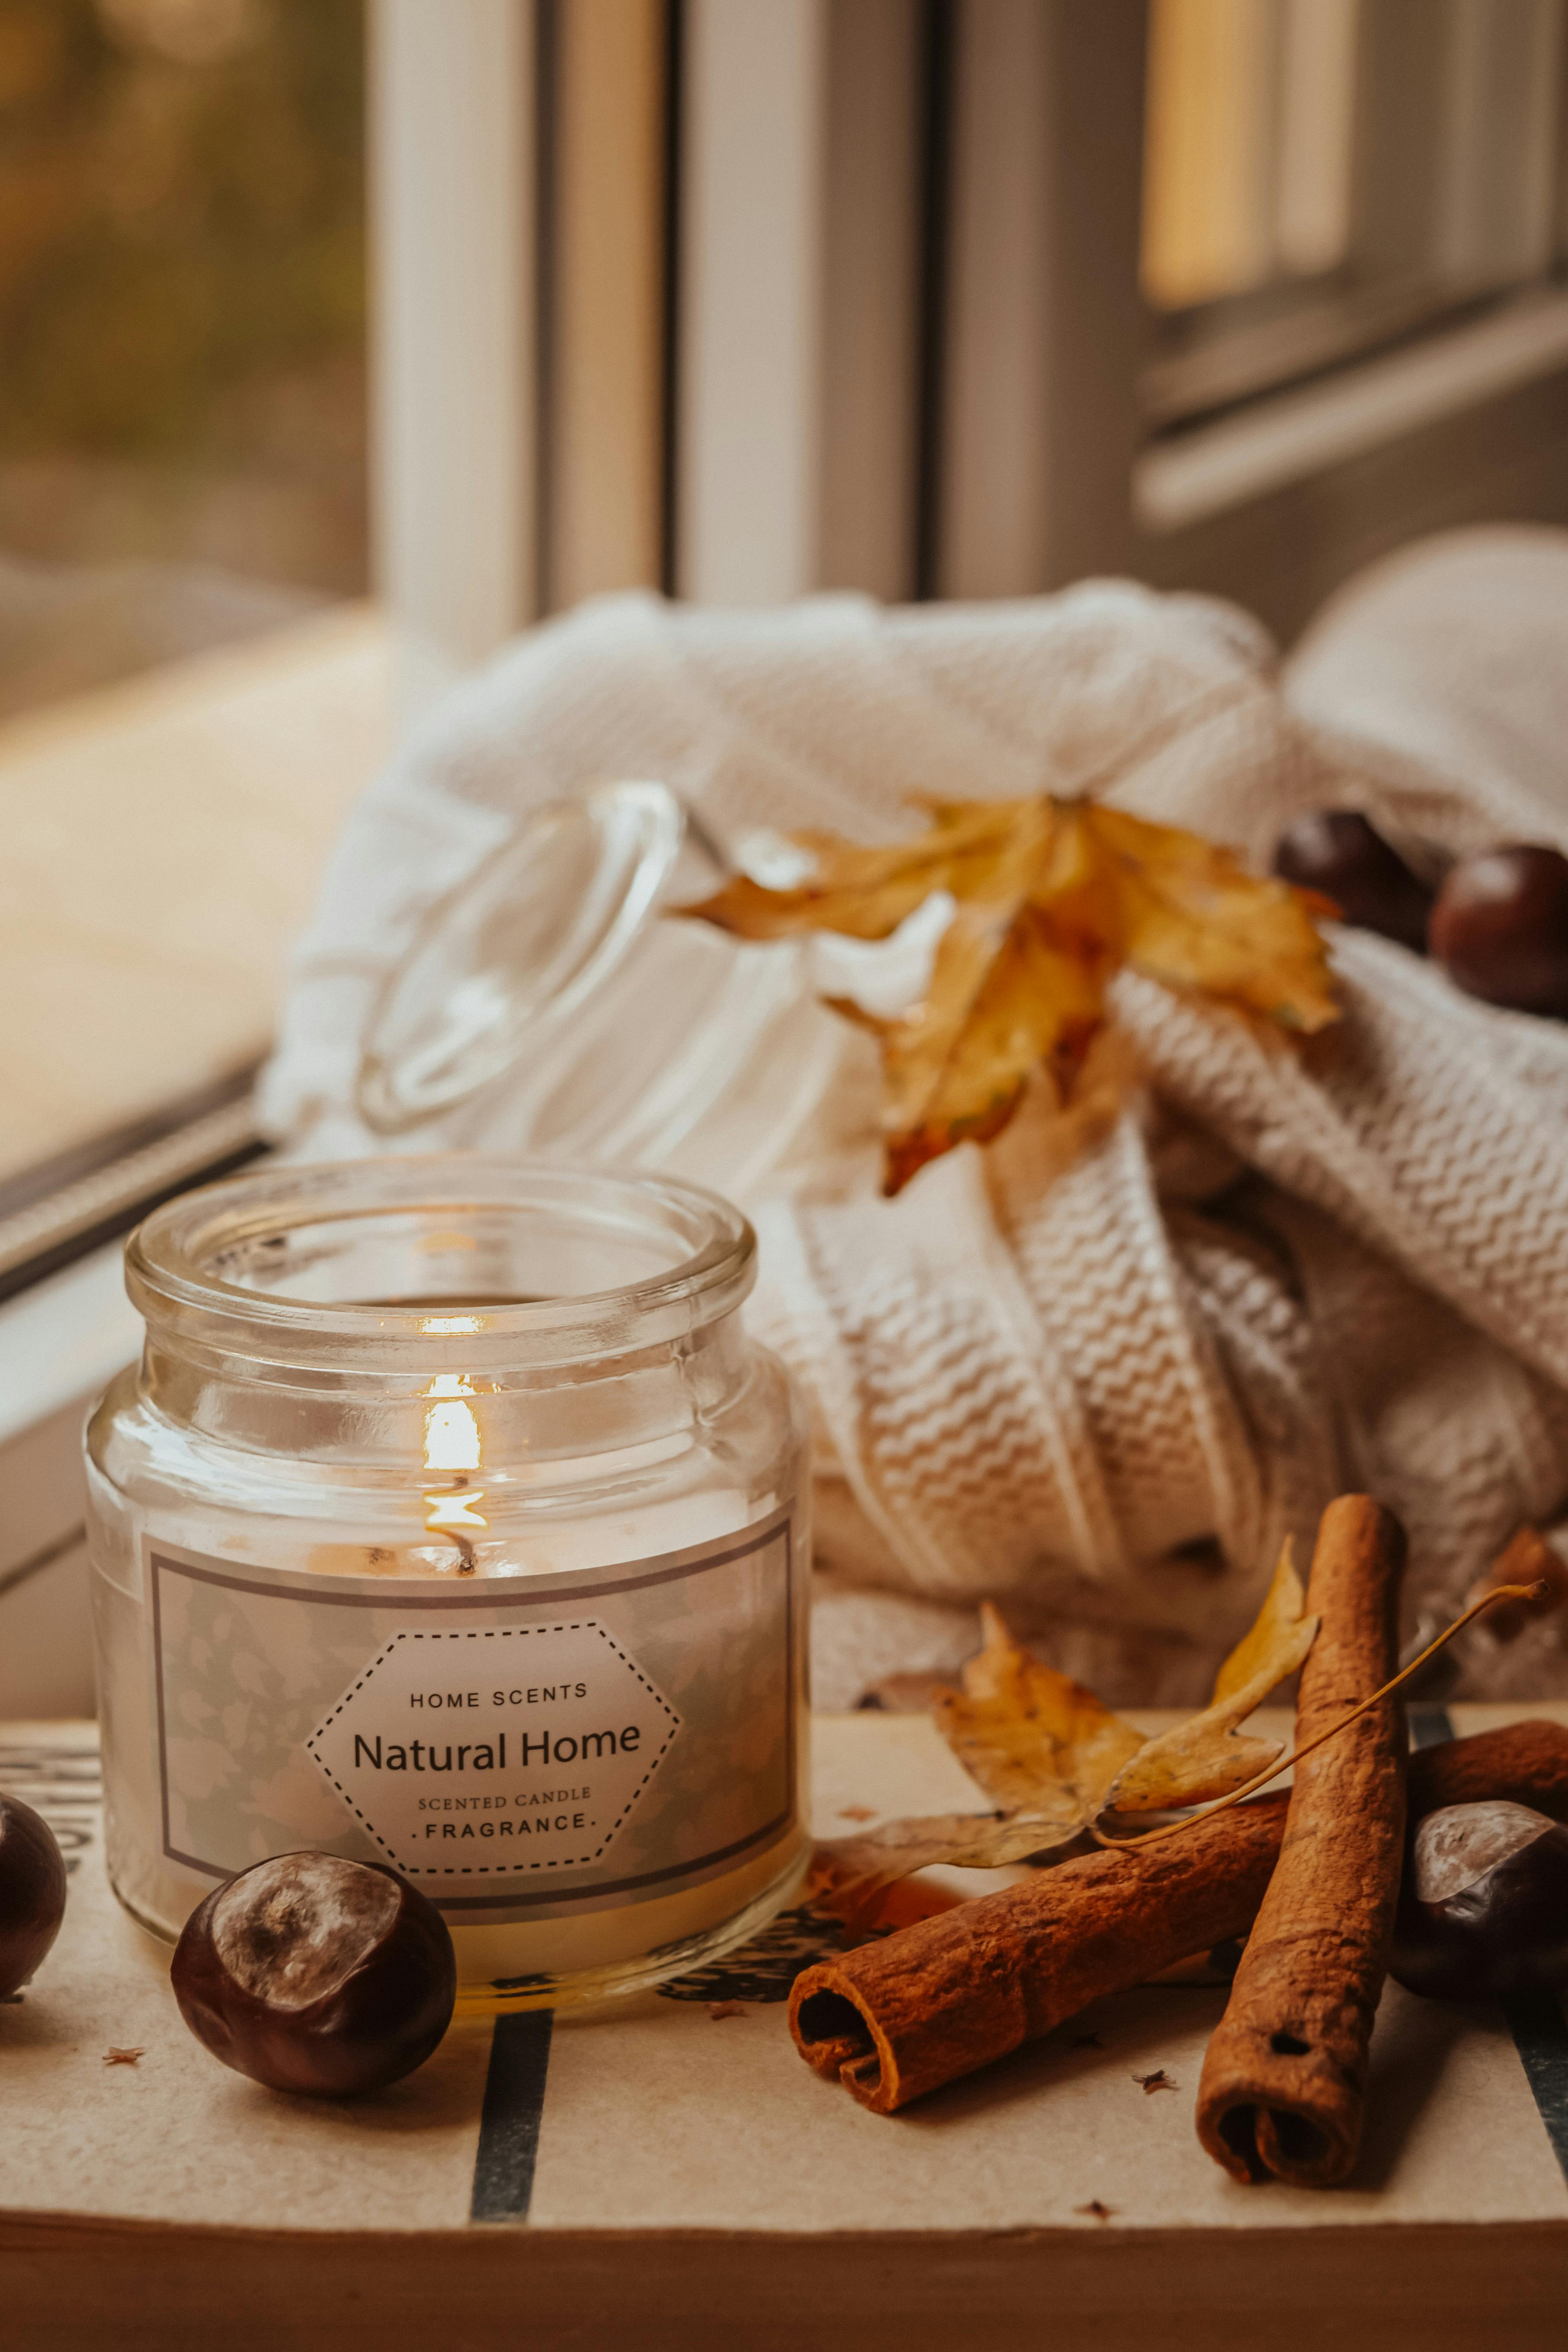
x,y
1526,1763
1283,2083
895,2020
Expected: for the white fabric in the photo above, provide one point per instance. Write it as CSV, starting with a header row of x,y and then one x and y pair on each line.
x,y
1102,1390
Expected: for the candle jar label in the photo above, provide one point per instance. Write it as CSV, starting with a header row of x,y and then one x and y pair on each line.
x,y
483,1753
518,1747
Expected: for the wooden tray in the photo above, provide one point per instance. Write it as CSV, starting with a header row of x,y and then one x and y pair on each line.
x,y
663,2176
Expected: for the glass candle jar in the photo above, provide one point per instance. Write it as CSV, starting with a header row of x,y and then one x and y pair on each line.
x,y
451,1520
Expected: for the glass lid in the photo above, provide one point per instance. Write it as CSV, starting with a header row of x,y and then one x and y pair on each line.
x,y
515,947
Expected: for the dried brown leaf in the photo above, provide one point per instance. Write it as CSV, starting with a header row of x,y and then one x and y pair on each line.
x,y
1041,1744
1034,1739
1527,1558
852,1874
1051,898
1207,1757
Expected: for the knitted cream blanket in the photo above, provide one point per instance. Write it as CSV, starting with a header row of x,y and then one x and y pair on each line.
x,y
1102,1391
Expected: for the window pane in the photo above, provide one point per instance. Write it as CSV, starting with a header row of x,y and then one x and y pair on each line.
x,y
1208,173
1317,53
181,309
1322,176
182,468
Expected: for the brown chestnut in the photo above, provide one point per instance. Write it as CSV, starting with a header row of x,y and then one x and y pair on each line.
x,y
1499,927
1484,1907
32,1892
1338,852
312,1973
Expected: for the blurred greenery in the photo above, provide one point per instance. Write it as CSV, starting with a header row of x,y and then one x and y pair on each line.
x,y
183,260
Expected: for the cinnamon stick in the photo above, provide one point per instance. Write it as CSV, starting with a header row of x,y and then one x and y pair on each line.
x,y
1283,2086
1525,1763
895,2020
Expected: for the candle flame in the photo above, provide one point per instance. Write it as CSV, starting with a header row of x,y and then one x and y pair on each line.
x,y
452,1442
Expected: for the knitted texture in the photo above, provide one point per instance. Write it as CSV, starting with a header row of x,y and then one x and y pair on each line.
x,y
1100,1385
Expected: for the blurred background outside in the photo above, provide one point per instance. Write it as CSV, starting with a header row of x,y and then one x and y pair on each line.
x,y
484,305
183,309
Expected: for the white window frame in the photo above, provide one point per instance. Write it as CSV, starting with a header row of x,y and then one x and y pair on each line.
x,y
799,424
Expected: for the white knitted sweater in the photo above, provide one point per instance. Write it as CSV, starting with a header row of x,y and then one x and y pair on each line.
x,y
1102,1391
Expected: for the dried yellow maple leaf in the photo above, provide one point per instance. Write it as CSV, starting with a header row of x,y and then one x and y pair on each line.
x,y
1207,1757
850,1876
1041,1744
1051,898
1055,1757
1036,1742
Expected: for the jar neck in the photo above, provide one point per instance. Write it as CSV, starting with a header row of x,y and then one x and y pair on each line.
x,y
457,1421
452,1315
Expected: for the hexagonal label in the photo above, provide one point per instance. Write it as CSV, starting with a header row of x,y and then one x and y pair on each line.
x,y
505,1750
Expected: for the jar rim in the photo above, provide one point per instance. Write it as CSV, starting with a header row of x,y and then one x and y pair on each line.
x,y
171,1256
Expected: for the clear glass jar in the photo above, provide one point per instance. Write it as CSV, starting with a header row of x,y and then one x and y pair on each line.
x,y
451,1519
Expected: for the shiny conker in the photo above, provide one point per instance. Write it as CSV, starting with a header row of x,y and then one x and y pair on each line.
x,y
1499,927
1339,852
1483,1909
315,1974
32,1892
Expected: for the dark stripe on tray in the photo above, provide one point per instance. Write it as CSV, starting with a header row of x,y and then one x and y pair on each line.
x,y
509,2119
1541,2038
1430,1725
1535,2019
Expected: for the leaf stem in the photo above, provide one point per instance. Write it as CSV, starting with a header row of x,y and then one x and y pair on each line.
x,y
1538,1592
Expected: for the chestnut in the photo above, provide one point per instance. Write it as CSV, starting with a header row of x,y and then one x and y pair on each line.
x,y
1484,1905
32,1892
315,1974
1338,852
1499,927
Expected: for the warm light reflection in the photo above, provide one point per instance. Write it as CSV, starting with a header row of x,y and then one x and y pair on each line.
x,y
1249,144
452,1444
451,1432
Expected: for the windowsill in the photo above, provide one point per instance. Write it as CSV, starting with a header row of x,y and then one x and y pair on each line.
x,y
164,841
1212,469
59,1343
1248,348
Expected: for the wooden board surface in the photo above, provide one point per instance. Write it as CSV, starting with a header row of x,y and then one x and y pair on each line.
x,y
655,2174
